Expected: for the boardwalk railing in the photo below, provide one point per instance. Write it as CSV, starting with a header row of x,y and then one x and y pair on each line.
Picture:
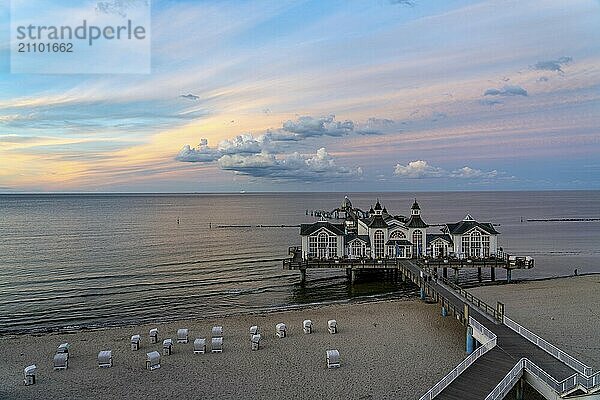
x,y
508,382
548,347
466,363
482,305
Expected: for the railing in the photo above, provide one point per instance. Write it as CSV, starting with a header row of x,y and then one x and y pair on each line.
x,y
548,347
508,382
482,305
466,363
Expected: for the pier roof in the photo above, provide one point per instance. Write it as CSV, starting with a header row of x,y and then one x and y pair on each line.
x,y
308,229
415,221
376,221
466,225
364,238
433,236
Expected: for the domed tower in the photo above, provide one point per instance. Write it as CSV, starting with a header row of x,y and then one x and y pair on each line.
x,y
417,229
378,209
415,209
346,205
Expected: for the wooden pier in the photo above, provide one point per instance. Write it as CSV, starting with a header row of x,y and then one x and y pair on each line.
x,y
503,354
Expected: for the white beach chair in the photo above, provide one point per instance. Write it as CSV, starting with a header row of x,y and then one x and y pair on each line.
x,y
333,359
63,349
105,359
29,375
153,360
61,361
135,342
182,336
200,346
255,341
167,347
216,345
217,331
253,330
153,335
307,326
332,326
280,330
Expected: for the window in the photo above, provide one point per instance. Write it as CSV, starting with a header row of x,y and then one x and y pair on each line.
x,y
440,248
379,244
397,235
312,246
465,246
476,244
417,239
332,246
485,240
356,249
322,245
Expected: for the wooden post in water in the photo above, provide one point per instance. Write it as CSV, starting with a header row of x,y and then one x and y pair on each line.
x,y
479,274
508,275
303,275
493,274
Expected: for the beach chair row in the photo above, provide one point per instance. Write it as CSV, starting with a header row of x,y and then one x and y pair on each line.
x,y
105,360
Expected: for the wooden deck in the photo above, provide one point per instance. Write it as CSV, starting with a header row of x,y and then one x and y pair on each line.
x,y
479,380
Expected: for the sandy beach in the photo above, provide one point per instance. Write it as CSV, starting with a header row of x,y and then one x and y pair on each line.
x,y
563,311
389,349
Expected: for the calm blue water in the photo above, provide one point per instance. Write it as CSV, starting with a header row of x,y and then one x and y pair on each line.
x,y
94,260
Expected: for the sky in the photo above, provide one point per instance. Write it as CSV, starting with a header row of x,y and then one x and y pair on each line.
x,y
380,95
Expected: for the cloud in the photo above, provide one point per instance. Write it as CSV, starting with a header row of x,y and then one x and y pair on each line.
x,y
243,144
490,102
118,7
420,169
305,127
472,173
543,79
320,166
506,91
373,126
190,96
202,153
552,65
407,3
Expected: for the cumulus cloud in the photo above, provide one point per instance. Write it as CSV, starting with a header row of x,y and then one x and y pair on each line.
x,y
190,96
305,127
242,144
418,169
421,169
320,166
552,65
506,91
202,153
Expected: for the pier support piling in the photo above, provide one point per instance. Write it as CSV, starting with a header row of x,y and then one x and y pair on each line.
x,y
353,275
456,275
303,276
349,273
445,272
422,293
493,274
508,275
444,311
520,389
479,274
470,340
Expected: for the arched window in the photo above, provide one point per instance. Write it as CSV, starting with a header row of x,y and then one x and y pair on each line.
x,y
379,243
476,244
397,235
322,242
417,239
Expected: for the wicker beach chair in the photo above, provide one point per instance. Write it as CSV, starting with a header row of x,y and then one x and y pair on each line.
x,y
200,346
167,347
63,349
307,326
182,336
153,335
61,361
216,345
255,341
332,326
217,331
135,342
105,359
333,359
280,330
253,330
153,360
29,375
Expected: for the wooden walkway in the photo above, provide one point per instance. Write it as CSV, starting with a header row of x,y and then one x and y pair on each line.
x,y
480,379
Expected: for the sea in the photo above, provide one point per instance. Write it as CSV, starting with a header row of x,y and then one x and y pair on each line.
x,y
78,261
